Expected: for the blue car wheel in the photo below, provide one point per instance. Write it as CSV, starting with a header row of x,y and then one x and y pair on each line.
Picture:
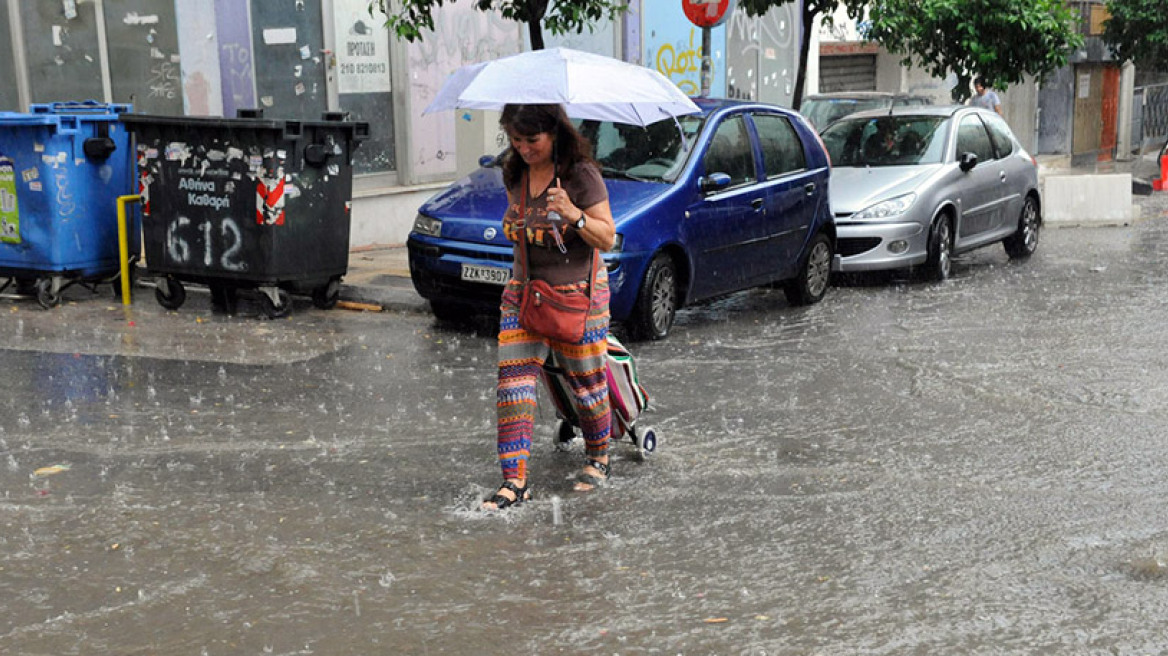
x,y
652,316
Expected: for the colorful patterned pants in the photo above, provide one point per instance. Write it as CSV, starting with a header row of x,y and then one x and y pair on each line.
x,y
522,354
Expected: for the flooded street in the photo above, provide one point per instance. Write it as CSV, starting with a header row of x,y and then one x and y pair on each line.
x,y
974,467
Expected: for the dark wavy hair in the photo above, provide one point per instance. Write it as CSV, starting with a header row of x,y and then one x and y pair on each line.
x,y
569,146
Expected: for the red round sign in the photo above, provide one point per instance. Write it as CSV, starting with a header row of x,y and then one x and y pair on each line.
x,y
707,13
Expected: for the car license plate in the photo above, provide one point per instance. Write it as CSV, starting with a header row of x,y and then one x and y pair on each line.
x,y
492,275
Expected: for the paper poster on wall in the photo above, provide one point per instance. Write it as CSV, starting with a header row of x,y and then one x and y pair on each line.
x,y
1084,85
279,36
362,49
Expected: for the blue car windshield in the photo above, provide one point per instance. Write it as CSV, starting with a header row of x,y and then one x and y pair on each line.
x,y
654,153
885,141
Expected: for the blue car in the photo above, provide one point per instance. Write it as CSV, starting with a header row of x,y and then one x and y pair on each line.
x,y
731,198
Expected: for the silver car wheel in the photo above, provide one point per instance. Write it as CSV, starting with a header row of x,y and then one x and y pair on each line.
x,y
1024,241
946,260
940,262
664,301
1030,225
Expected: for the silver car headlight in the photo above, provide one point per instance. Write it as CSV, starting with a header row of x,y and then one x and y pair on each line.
x,y
428,226
887,209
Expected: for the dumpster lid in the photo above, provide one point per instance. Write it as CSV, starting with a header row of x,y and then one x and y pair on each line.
x,y
18,118
61,123
290,128
92,108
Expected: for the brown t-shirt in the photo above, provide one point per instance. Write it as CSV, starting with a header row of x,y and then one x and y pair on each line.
x,y
585,187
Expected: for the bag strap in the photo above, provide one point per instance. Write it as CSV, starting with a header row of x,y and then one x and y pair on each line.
x,y
522,256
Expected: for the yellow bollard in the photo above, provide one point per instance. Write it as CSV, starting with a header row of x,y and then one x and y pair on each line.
x,y
124,245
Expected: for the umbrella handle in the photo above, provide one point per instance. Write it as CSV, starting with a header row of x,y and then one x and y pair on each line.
x,y
681,133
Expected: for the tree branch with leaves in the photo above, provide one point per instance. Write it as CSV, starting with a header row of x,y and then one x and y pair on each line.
x,y
1138,31
410,19
1000,40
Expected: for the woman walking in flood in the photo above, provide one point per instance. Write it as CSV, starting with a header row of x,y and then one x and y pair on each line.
x,y
557,197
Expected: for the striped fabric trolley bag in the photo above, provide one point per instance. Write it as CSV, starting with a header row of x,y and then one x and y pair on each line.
x,y
626,395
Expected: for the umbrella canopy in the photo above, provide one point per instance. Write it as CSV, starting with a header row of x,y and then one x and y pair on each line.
x,y
588,86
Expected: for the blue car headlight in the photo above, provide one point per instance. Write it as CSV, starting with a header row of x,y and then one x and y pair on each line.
x,y
888,208
426,225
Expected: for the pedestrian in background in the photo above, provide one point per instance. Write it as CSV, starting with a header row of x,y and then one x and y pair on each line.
x,y
566,219
985,97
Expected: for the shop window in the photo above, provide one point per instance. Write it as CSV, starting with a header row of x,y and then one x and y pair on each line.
x,y
361,67
143,55
288,47
9,101
210,58
62,51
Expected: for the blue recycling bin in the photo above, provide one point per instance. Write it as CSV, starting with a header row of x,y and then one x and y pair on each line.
x,y
62,168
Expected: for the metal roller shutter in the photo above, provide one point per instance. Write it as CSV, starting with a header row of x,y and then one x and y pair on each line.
x,y
847,73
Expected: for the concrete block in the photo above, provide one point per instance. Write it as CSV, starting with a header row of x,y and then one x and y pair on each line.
x,y
1072,200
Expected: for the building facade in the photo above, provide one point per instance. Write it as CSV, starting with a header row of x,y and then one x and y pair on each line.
x,y
296,59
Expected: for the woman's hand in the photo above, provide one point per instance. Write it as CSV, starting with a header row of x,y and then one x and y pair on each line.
x,y
559,202
599,230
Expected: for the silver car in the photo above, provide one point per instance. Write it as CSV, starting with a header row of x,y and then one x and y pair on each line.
x,y
912,186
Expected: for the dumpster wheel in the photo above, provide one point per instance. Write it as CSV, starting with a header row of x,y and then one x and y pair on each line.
x,y
326,296
170,293
48,293
276,307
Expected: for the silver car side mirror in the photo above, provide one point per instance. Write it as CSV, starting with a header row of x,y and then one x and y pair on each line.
x,y
968,161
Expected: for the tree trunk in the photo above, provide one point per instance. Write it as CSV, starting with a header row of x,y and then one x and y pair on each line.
x,y
804,47
536,10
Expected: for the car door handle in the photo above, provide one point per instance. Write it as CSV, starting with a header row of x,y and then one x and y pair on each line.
x,y
756,203
809,188
1002,176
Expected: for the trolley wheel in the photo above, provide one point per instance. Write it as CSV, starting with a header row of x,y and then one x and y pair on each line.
x,y
45,294
646,442
564,435
170,293
274,309
325,297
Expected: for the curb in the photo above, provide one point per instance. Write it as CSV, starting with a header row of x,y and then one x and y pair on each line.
x,y
388,299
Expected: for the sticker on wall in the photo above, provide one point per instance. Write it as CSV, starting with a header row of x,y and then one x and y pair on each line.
x,y
9,209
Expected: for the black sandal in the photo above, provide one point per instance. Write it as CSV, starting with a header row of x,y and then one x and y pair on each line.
x,y
521,494
593,482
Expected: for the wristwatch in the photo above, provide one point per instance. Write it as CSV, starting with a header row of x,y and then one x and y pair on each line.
x,y
581,221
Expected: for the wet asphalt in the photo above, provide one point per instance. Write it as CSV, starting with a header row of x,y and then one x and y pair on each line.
x,y
972,467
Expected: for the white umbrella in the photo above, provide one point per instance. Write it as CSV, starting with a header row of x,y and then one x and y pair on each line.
x,y
588,86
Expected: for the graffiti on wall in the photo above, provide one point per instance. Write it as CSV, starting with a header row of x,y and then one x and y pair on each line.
x,y
462,35
763,55
673,47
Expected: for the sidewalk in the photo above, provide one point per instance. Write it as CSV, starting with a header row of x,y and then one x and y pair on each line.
x,y
380,275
